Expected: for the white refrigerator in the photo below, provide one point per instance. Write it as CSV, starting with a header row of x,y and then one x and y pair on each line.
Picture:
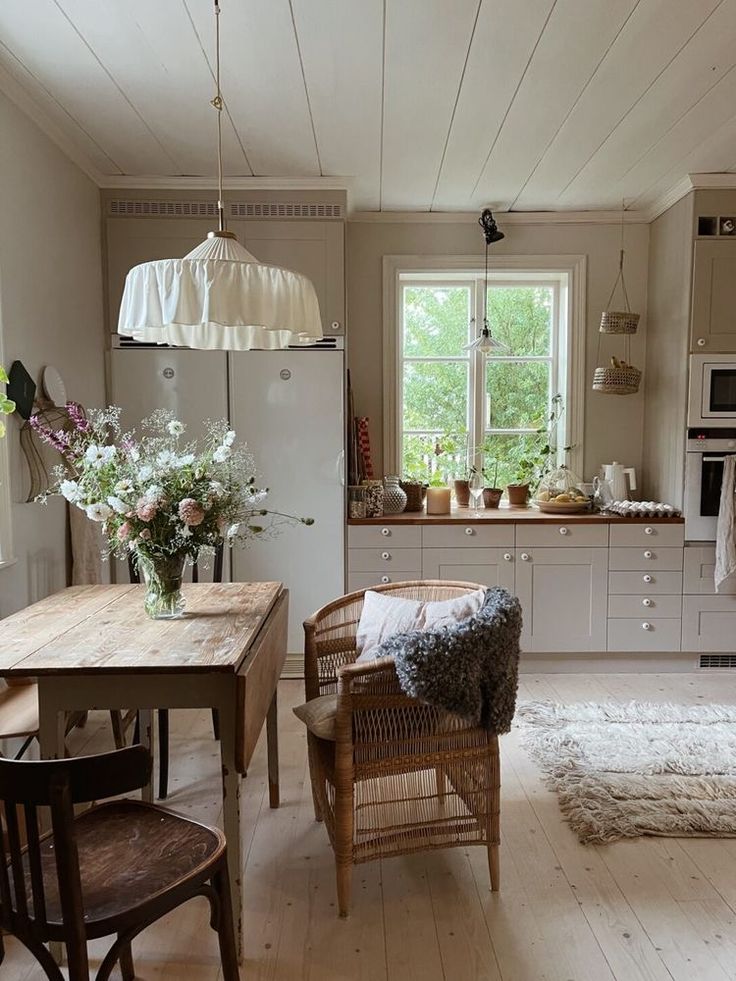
x,y
289,407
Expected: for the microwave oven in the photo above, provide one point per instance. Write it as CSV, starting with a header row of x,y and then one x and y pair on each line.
x,y
712,391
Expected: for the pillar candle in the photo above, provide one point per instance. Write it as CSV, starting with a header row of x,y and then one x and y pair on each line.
x,y
438,500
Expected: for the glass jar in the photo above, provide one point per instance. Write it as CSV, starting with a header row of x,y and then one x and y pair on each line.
x,y
356,501
373,498
561,488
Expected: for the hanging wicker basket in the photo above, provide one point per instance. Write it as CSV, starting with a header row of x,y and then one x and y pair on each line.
x,y
623,380
619,322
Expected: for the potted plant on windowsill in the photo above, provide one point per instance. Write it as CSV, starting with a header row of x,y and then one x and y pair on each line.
x,y
492,495
533,468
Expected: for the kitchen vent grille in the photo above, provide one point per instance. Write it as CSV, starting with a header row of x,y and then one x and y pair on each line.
x,y
121,208
717,661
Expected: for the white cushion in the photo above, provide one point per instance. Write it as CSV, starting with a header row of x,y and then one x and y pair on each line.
x,y
383,616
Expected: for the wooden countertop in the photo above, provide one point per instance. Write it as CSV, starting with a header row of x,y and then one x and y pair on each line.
x,y
505,515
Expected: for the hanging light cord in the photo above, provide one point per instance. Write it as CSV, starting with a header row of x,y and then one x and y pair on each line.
x,y
218,104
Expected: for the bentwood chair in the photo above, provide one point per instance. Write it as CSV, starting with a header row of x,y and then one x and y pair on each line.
x,y
163,714
391,775
113,870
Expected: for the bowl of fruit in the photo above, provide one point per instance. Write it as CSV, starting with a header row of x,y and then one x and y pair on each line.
x,y
559,493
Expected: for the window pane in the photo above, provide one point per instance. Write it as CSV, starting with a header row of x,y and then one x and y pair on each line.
x,y
505,458
436,457
436,396
520,317
517,394
436,321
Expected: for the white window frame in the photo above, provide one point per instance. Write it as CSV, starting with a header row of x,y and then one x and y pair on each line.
x,y
567,273
7,556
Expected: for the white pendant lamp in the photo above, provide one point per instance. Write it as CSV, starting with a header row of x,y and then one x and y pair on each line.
x,y
485,341
219,296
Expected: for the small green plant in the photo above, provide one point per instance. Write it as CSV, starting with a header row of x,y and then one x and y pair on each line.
x,y
531,469
7,406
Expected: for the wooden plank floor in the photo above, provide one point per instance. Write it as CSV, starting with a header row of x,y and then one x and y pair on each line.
x,y
644,910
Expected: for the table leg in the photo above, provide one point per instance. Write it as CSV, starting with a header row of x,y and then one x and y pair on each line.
x,y
231,817
272,742
51,733
145,717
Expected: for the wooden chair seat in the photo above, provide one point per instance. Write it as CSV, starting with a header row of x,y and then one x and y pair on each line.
x,y
18,711
119,876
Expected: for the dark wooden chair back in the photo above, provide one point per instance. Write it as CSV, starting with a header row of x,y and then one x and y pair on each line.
x,y
135,576
59,785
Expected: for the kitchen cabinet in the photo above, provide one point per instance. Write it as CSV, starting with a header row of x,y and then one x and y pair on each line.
x,y
709,624
713,326
563,594
488,566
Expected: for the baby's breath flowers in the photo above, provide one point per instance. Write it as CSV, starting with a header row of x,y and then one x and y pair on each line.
x,y
154,495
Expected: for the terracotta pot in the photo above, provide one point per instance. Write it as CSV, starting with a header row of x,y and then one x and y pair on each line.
x,y
492,496
518,495
462,493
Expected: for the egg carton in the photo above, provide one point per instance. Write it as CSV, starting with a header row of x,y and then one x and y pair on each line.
x,y
642,509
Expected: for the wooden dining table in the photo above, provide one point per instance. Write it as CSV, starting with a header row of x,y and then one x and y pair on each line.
x,y
93,647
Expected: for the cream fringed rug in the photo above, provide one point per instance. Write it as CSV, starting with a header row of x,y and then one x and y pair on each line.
x,y
622,770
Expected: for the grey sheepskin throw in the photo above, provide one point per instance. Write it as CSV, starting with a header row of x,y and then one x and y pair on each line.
x,y
469,668
639,768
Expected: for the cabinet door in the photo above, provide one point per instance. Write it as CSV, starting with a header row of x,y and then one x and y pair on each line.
x,y
714,296
563,594
709,623
488,566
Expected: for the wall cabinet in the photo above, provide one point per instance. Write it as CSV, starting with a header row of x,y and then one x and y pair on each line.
x,y
713,327
563,594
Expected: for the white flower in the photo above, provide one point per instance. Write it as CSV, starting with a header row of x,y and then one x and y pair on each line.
x,y
185,531
185,461
166,459
221,453
229,438
98,512
70,490
154,492
98,456
134,453
123,487
176,428
216,488
233,530
145,473
117,505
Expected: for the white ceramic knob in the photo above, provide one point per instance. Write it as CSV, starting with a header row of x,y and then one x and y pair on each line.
x,y
646,626
647,579
646,601
701,342
564,531
524,556
385,579
385,532
385,555
469,531
731,443
648,530
648,554
507,556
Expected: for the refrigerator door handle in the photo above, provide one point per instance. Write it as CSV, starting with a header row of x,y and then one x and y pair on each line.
x,y
340,467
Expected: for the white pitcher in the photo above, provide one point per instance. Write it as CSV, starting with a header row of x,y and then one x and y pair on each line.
x,y
615,476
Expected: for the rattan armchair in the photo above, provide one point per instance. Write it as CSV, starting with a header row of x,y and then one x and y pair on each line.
x,y
400,776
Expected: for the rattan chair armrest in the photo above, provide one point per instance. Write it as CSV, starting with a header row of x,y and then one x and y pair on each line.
x,y
349,672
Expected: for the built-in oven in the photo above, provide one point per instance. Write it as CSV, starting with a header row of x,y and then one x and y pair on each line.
x,y
707,448
712,391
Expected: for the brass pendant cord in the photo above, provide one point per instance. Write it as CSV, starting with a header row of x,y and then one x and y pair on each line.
x,y
218,104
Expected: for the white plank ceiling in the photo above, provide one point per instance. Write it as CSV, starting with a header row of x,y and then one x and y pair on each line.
x,y
426,105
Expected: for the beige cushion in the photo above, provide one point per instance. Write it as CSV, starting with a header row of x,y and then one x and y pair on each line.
x,y
384,616
319,715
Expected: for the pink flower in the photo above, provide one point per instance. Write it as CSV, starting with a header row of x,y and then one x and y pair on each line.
x,y
191,512
146,508
124,531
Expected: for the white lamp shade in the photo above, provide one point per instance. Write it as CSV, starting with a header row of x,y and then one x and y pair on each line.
x,y
219,297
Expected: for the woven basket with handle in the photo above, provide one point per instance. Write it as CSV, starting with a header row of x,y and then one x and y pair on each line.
x,y
617,381
619,322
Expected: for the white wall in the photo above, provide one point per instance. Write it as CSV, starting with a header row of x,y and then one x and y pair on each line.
x,y
613,424
51,310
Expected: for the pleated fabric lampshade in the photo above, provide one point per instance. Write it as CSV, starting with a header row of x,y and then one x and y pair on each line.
x,y
221,297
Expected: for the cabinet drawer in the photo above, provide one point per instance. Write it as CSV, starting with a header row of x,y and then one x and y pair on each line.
x,y
652,634
374,536
561,535
664,559
645,583
365,580
709,623
644,606
467,536
648,536
487,566
383,559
